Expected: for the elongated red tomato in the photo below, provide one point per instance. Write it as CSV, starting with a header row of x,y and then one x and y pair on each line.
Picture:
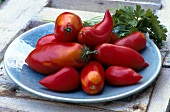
x,y
110,55
92,77
113,38
99,33
46,39
64,80
121,76
51,57
67,27
136,41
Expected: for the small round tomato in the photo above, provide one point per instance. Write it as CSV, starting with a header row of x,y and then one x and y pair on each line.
x,y
92,77
67,27
46,39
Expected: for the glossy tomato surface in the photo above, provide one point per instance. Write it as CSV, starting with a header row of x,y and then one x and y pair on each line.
x,y
136,41
97,34
49,38
51,57
111,55
67,26
66,79
121,76
92,77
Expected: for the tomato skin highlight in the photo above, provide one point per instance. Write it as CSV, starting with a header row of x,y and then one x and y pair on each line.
x,y
111,55
49,38
121,76
92,77
136,41
67,27
51,57
66,79
99,33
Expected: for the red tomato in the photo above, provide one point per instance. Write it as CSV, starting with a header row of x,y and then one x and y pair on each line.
x,y
121,76
92,77
113,37
99,33
67,26
51,57
66,79
136,41
111,55
46,39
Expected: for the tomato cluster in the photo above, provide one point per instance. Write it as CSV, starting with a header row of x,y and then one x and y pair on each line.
x,y
88,57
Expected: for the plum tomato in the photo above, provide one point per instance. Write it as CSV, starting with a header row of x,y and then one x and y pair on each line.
x,y
92,77
135,40
51,57
111,55
46,39
121,76
66,79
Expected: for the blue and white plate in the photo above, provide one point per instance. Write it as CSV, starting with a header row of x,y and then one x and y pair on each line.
x,y
25,77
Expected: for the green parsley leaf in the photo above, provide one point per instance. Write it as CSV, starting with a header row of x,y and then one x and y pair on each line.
x,y
128,20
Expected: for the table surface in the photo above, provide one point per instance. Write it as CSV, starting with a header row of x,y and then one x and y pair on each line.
x,y
26,14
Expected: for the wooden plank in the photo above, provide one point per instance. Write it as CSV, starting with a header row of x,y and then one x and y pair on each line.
x,y
160,97
15,17
48,13
102,5
32,105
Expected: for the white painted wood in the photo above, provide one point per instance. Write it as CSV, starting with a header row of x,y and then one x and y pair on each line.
x,y
138,104
48,13
102,5
15,17
163,15
161,94
32,105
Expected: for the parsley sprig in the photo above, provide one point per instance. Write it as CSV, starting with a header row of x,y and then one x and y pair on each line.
x,y
128,20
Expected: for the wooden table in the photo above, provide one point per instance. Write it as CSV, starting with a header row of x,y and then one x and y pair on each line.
x,y
16,17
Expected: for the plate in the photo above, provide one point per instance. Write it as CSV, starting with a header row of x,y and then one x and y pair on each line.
x,y
21,74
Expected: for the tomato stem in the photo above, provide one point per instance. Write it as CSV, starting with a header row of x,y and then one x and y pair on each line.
x,y
92,87
67,29
86,53
91,52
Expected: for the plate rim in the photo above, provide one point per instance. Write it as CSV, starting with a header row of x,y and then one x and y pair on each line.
x,y
80,100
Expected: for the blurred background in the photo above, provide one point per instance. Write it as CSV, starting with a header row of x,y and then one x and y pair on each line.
x,y
1,1
102,5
